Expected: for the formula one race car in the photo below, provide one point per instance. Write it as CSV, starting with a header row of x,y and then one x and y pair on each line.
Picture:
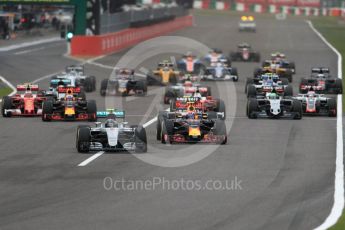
x,y
191,127
203,104
69,108
274,67
113,135
187,88
247,23
190,64
245,53
26,102
274,106
220,73
75,77
317,104
266,83
124,83
215,56
281,58
321,82
164,74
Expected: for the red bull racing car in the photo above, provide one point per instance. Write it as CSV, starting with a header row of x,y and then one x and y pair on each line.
x,y
69,108
191,126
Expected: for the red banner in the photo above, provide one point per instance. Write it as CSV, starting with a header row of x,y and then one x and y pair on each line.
x,y
282,2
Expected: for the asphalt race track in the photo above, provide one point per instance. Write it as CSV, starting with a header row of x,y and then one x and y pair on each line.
x,y
286,167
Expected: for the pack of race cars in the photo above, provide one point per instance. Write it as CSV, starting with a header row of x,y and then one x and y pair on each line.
x,y
194,114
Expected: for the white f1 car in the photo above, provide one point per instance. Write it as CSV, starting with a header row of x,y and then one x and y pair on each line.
x,y
112,135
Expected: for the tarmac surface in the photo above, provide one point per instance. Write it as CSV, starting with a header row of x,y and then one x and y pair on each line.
x,y
284,168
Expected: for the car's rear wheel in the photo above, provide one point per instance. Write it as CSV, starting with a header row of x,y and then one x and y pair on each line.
x,y
104,86
220,130
140,140
92,110
332,107
339,86
47,110
298,109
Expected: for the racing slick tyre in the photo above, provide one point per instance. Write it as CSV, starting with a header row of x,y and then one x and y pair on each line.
x,y
339,86
257,72
252,107
221,107
6,104
83,139
297,108
167,130
235,73
88,85
249,81
288,91
285,81
47,110
140,140
220,130
104,86
168,96
173,79
292,66
208,93
251,91
287,75
172,105
93,80
82,93
142,86
332,107
92,110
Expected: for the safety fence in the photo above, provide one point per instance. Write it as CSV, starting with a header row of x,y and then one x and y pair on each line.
x,y
289,7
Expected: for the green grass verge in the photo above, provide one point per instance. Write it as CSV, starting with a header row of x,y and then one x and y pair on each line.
x,y
5,91
333,29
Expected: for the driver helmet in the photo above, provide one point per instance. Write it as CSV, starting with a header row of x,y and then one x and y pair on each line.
x,y
311,94
197,94
188,84
273,96
110,123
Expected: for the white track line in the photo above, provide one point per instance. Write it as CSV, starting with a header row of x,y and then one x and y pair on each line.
x,y
9,85
338,204
28,44
88,160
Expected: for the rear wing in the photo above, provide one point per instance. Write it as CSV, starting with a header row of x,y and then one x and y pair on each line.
x,y
27,87
60,81
104,114
79,69
321,70
69,90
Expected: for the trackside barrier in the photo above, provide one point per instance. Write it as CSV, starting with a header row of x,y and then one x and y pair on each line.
x,y
112,42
